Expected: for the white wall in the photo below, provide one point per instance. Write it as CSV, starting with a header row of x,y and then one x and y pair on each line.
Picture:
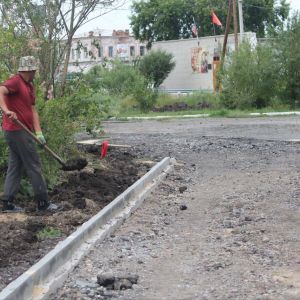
x,y
183,77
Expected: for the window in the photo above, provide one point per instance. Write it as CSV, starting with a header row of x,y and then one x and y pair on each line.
x,y
132,51
110,51
78,53
142,50
73,53
100,51
86,54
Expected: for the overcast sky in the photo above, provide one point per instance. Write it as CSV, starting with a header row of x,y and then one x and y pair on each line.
x,y
119,19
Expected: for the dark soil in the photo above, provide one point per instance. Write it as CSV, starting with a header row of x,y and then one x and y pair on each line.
x,y
80,196
178,106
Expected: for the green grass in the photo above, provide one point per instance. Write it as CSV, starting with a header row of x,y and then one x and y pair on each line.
x,y
215,110
48,233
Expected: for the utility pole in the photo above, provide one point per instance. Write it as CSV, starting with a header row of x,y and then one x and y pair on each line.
x,y
228,19
241,19
235,24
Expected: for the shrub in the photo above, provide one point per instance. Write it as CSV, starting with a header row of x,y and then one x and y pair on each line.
x,y
121,81
156,66
250,79
287,46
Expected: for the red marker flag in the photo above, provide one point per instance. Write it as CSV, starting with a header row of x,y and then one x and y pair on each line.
x,y
215,19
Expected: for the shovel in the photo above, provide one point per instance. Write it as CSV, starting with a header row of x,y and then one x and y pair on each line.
x,y
69,165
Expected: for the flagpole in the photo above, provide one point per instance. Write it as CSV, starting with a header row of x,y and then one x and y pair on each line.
x,y
196,31
214,31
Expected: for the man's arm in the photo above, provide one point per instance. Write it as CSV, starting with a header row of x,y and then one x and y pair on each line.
x,y
4,91
36,120
37,126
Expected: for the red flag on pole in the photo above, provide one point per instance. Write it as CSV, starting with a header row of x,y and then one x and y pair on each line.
x,y
215,19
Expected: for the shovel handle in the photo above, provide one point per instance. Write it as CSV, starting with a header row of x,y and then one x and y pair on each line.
x,y
54,155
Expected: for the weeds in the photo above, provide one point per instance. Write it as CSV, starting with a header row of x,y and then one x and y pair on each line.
x,y
48,233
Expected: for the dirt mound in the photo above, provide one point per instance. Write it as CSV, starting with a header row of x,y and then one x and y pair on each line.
x,y
178,106
27,237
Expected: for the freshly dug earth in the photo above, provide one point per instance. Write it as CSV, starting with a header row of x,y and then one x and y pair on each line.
x,y
27,237
179,106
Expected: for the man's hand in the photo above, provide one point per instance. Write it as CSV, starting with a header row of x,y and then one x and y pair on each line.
x,y
10,114
40,137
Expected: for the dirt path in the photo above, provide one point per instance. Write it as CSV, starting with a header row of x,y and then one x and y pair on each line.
x,y
238,237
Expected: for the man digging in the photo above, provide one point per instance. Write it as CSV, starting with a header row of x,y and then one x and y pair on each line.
x,y
17,101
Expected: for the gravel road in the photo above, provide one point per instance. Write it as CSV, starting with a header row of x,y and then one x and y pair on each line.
x,y
224,225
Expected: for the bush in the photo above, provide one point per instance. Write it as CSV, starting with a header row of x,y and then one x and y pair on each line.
x,y
251,77
121,81
287,46
156,66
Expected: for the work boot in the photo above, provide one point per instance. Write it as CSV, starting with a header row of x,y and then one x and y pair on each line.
x,y
43,203
9,207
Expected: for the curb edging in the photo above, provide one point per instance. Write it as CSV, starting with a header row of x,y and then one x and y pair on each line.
x,y
48,274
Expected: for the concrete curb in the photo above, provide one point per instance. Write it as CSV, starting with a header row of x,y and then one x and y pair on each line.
x,y
268,114
49,273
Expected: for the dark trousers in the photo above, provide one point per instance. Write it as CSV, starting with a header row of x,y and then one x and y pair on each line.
x,y
23,155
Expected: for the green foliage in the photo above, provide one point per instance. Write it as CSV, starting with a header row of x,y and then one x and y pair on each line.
x,y
12,47
265,17
156,66
48,233
156,20
287,46
61,119
251,77
121,81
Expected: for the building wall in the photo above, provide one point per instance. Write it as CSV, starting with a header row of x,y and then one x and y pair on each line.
x,y
194,61
86,51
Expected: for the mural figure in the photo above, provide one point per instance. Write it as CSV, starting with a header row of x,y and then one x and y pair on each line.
x,y
199,60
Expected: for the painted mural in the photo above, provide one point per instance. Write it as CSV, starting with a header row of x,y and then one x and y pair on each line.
x,y
199,60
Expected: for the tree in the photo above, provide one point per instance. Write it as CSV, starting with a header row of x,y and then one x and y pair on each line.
x,y
51,25
156,20
73,15
156,66
37,26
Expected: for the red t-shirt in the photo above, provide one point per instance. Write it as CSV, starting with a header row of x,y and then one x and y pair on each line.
x,y
20,99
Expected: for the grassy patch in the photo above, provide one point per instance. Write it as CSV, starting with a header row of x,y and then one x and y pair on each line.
x,y
48,233
211,107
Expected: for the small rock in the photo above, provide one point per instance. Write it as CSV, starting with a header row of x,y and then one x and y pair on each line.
x,y
122,284
248,218
183,207
227,224
182,189
105,280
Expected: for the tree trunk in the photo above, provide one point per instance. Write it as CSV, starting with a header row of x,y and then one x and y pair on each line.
x,y
65,69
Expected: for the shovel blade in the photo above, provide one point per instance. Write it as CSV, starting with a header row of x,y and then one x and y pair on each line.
x,y
74,164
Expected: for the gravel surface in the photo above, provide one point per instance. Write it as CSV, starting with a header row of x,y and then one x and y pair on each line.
x,y
224,225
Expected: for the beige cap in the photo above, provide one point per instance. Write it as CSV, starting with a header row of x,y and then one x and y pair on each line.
x,y
28,63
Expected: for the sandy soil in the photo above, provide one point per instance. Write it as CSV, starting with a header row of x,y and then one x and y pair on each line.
x,y
224,225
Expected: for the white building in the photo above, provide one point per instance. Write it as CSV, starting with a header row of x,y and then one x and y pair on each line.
x,y
94,49
196,61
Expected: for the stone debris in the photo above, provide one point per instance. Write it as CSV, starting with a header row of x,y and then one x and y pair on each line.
x,y
118,282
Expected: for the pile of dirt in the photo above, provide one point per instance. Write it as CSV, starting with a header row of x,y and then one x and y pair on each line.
x,y
80,196
178,106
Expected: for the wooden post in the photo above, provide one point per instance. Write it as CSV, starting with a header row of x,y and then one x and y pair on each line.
x,y
235,24
228,19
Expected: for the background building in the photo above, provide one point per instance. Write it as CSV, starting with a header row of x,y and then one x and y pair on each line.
x,y
93,48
